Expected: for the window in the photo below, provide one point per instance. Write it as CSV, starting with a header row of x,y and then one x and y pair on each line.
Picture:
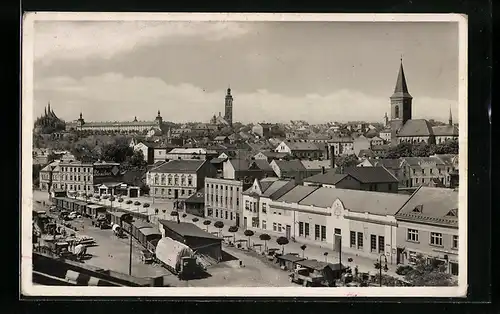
x,y
169,191
176,180
430,170
396,112
216,213
183,180
182,191
237,202
169,180
353,239
381,244
301,229
454,269
454,242
279,227
373,243
156,179
316,232
264,208
190,181
274,226
162,180
226,215
247,204
264,224
436,238
412,235
338,231
360,240
156,190
306,231
423,171
323,233
231,216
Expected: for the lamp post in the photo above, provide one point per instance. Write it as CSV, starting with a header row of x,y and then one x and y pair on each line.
x,y
380,267
130,248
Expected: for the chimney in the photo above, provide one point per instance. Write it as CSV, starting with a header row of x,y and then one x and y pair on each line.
x,y
332,157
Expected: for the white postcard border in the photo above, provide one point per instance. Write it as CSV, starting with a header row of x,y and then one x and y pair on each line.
x,y
27,287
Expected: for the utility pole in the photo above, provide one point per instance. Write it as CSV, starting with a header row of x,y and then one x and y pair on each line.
x,y
130,252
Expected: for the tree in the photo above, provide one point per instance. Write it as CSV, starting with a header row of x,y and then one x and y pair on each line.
x,y
421,149
401,150
448,147
135,161
219,225
249,233
265,237
207,223
346,161
426,273
282,241
303,248
233,230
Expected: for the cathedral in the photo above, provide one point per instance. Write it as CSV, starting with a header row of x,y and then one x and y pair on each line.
x,y
405,129
49,122
227,119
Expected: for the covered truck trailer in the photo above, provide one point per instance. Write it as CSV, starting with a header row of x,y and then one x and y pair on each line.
x,y
177,257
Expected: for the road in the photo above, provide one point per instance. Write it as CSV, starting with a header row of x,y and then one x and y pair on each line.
x,y
113,253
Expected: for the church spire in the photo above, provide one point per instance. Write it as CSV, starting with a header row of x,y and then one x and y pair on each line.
x,y
401,88
450,119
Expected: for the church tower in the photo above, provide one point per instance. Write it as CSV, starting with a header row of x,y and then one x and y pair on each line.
x,y
401,104
228,108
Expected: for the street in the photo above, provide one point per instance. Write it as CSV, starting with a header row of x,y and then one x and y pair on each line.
x,y
113,253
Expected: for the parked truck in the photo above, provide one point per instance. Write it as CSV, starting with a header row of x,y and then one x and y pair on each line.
x,y
177,257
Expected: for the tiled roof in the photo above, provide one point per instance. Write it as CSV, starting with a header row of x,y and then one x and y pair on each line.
x,y
301,145
377,203
200,151
315,164
445,130
330,177
421,161
289,165
387,163
273,187
345,139
243,164
431,205
370,174
187,229
271,154
366,153
296,194
417,127
179,166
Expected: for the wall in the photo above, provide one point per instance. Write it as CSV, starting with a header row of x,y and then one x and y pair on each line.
x,y
163,185
423,246
217,192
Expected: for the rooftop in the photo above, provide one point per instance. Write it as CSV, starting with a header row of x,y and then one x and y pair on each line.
x,y
369,174
377,203
432,205
179,166
296,194
301,145
289,165
330,177
187,229
445,130
417,127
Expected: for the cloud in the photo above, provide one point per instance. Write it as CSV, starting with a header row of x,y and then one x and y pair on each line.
x,y
113,97
78,40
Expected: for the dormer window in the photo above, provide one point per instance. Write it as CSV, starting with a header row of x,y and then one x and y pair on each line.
x,y
418,209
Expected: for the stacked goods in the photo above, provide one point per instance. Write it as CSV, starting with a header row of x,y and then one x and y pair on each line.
x,y
171,252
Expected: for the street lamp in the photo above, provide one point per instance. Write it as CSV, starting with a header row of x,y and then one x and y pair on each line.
x,y
380,267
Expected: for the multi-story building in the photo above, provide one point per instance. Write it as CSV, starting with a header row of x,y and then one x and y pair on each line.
x,y
114,126
147,150
190,153
246,170
376,179
223,200
300,149
50,177
316,215
86,177
263,129
392,165
178,178
427,171
294,169
428,225
160,153
342,145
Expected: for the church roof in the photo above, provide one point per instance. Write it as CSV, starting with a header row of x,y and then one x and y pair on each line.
x,y
416,127
445,130
401,89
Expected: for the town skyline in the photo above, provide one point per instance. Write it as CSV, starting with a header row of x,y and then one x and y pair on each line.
x,y
190,66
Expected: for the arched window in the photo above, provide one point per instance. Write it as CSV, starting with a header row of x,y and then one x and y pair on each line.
x,y
169,179
396,112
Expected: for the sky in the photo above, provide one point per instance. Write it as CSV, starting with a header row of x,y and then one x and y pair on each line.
x,y
278,71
